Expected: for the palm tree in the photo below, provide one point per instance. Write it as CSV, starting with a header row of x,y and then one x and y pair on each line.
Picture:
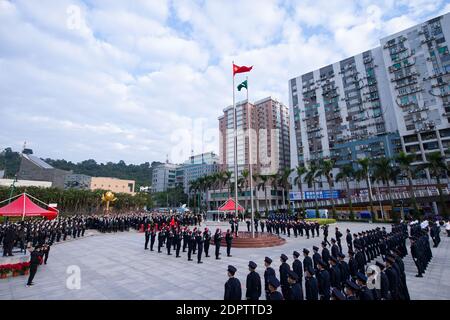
x,y
347,174
284,182
275,182
243,182
226,180
264,180
325,169
364,174
404,161
310,179
384,172
300,171
437,167
255,181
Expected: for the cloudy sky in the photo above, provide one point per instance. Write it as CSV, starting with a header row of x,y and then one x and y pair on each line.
x,y
138,80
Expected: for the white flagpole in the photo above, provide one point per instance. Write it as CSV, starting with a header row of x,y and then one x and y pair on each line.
x,y
23,212
250,163
235,155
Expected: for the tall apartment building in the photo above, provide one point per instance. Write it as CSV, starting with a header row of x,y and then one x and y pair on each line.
x,y
377,103
417,62
199,166
269,124
164,177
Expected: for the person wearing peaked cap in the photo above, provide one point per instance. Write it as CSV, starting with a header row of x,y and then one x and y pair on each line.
x,y
297,267
253,283
334,248
351,289
323,280
233,289
273,293
217,240
336,294
268,273
307,261
325,252
284,269
384,293
361,278
311,286
335,273
295,291
349,240
364,292
343,268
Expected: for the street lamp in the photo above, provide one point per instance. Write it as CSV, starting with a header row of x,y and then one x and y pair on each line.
x,y
13,185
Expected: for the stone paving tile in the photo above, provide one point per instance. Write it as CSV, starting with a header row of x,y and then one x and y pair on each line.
x,y
115,266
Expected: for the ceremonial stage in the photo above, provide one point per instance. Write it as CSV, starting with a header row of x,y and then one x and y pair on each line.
x,y
261,240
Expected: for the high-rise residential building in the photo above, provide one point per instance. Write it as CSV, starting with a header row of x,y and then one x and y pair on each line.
x,y
164,177
198,166
417,61
269,124
391,98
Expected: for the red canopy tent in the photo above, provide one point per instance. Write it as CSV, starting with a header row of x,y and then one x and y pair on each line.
x,y
230,205
24,207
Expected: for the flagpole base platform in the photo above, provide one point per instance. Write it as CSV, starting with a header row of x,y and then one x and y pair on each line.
x,y
261,240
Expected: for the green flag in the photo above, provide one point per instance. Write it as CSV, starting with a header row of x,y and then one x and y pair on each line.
x,y
242,85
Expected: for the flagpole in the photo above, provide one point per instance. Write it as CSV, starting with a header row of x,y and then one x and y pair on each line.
x,y
250,163
235,154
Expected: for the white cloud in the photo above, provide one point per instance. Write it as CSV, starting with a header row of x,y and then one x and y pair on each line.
x,y
141,79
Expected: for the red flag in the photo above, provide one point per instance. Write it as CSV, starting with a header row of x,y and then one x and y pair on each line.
x,y
172,222
237,69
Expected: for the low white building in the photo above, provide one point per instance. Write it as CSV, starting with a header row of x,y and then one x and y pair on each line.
x,y
25,183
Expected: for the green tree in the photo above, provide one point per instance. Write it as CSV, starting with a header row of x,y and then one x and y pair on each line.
x,y
385,172
347,174
364,174
311,180
300,171
326,169
404,161
437,167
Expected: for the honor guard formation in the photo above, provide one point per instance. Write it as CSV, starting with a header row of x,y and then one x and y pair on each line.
x,y
371,266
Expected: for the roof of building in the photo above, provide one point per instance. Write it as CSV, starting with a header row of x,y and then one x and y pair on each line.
x,y
37,161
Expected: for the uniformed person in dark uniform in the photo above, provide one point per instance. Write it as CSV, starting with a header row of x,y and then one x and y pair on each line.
x,y
233,290
297,267
364,292
311,286
323,280
207,241
274,295
152,238
177,240
147,237
199,240
349,240
284,270
335,273
229,240
384,293
307,261
295,291
325,253
217,240
351,290
191,244
268,273
253,283
35,261
336,294
334,248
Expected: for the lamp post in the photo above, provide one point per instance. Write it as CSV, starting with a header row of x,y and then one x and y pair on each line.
x,y
12,187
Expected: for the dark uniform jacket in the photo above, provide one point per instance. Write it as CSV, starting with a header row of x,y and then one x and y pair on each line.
x,y
311,288
307,263
284,269
323,279
233,289
296,292
276,295
298,268
253,286
270,272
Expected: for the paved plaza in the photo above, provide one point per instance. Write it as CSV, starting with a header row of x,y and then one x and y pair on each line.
x,y
115,266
